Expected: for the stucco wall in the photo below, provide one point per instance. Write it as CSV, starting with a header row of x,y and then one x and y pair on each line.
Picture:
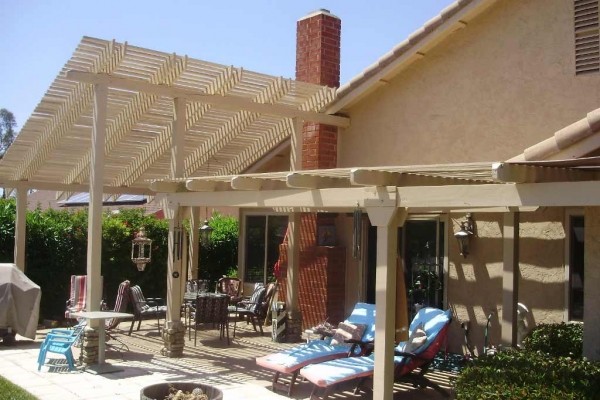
x,y
474,286
492,89
503,83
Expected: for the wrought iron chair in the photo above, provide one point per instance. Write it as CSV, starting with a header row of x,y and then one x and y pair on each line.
x,y
232,287
145,308
255,309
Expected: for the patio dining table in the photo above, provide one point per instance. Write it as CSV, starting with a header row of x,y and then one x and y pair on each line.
x,y
101,316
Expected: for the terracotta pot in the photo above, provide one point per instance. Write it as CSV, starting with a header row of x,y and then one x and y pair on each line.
x,y
159,391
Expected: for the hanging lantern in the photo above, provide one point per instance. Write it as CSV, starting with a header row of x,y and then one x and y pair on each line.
x,y
141,250
205,232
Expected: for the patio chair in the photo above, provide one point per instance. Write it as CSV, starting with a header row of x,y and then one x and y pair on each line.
x,y
427,333
120,306
77,294
255,309
232,287
315,351
60,341
145,308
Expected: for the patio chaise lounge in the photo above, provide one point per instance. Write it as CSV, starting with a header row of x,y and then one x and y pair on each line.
x,y
292,360
427,333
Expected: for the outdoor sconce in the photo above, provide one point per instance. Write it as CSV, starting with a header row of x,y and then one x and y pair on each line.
x,y
141,250
467,229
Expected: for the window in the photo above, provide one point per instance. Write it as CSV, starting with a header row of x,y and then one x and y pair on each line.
x,y
587,38
264,234
576,229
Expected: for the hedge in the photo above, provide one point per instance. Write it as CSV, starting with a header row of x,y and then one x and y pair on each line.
x,y
56,248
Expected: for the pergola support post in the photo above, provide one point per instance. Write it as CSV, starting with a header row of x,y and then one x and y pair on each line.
x,y
94,245
173,334
591,301
294,316
20,227
510,279
383,217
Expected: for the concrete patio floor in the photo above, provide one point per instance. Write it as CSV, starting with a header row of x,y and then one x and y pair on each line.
x,y
231,368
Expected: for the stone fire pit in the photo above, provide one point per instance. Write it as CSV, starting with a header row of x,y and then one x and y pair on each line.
x,y
160,391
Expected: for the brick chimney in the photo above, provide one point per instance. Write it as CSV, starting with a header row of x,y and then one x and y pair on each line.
x,y
321,291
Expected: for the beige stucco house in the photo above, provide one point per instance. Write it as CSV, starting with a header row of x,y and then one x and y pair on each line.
x,y
490,110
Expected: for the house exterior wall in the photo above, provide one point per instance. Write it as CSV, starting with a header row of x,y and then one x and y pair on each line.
x,y
503,83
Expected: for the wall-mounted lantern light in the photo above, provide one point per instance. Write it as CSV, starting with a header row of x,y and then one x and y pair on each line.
x,y
463,236
141,250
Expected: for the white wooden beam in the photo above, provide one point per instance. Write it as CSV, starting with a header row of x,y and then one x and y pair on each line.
x,y
228,102
197,185
178,138
515,173
422,197
245,183
167,186
366,177
306,181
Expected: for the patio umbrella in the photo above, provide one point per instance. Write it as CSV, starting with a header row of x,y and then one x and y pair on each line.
x,y
19,301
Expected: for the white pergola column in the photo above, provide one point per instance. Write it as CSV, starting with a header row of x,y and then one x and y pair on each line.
x,y
194,246
591,299
20,227
385,299
174,332
510,279
94,246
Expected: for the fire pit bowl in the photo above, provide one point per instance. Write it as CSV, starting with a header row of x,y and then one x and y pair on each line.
x,y
160,391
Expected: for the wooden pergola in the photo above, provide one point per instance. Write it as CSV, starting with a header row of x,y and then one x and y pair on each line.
x,y
122,119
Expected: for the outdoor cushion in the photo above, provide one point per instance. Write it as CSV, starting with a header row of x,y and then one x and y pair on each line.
x,y
347,331
291,360
416,340
332,372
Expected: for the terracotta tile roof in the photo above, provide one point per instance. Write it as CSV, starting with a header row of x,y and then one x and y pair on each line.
x,y
449,19
572,141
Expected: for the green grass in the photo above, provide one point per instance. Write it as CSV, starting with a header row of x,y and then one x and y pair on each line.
x,y
10,391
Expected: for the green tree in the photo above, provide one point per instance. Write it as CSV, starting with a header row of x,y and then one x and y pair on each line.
x,y
7,130
7,134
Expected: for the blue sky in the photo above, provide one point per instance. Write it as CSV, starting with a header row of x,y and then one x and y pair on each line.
x,y
39,36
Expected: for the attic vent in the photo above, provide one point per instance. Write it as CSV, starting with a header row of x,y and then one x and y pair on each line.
x,y
587,38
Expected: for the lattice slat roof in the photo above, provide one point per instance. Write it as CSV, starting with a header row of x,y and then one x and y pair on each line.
x,y
54,145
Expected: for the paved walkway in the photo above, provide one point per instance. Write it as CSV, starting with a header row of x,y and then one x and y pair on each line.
x,y
231,368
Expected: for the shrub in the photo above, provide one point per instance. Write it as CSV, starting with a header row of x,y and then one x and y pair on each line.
x,y
56,248
558,340
530,375
219,256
